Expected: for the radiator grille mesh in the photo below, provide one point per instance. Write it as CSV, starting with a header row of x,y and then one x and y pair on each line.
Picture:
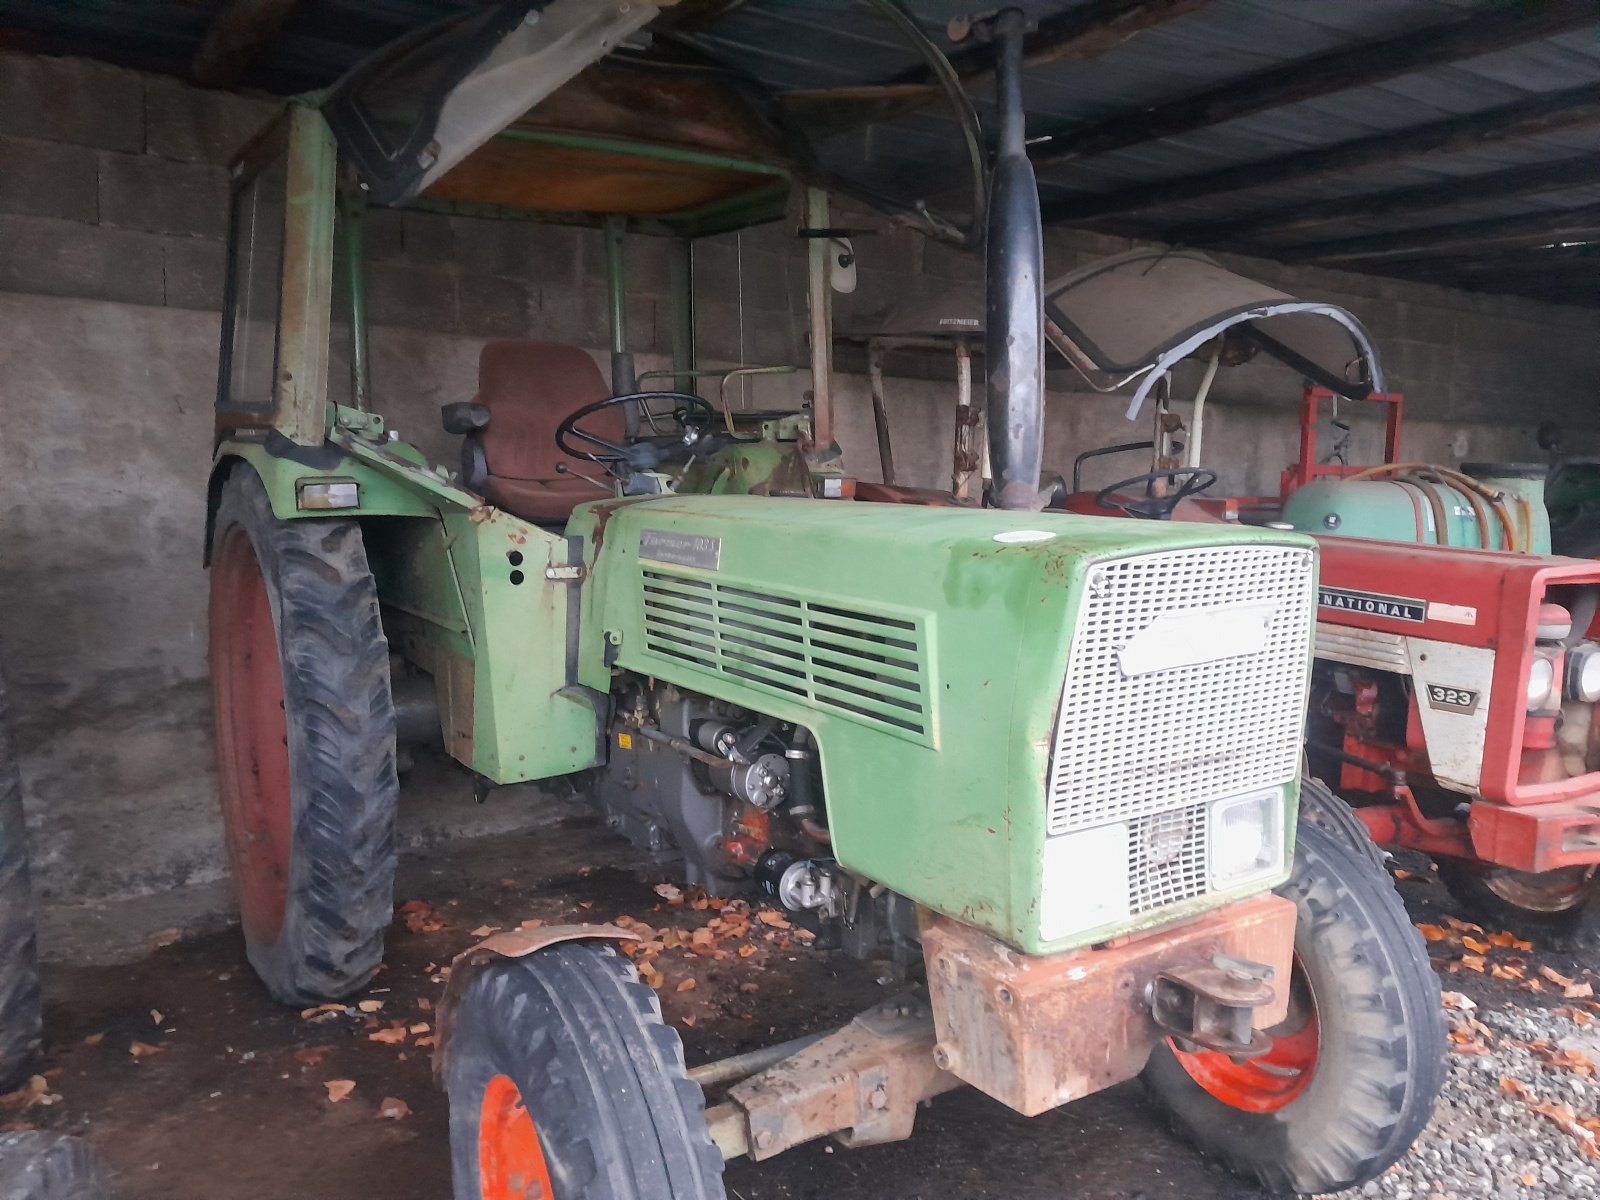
x,y
862,664
1131,746
1167,859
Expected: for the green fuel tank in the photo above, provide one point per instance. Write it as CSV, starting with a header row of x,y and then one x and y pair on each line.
x,y
1408,508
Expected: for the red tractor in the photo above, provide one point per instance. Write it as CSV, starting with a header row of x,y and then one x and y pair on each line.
x,y
1457,661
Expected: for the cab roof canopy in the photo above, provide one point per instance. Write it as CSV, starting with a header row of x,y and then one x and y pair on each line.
x,y
569,107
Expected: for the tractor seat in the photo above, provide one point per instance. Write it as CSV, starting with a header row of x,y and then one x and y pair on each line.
x,y
526,389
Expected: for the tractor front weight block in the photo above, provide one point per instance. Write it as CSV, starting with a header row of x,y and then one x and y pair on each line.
x,y
1037,1032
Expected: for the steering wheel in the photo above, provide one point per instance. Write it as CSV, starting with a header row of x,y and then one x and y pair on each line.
x,y
602,450
1156,508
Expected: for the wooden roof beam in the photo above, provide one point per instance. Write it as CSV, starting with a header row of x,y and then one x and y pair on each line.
x,y
238,32
1525,229
1426,197
1080,33
1523,118
1322,75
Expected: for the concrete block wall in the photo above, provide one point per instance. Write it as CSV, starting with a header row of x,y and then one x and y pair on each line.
x,y
112,215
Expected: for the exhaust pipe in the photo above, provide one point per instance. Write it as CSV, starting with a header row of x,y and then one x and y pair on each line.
x,y
1014,290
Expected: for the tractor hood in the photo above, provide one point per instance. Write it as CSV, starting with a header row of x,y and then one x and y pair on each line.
x,y
1133,316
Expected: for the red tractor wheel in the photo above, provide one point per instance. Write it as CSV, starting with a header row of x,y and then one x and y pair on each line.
x,y
1559,908
305,743
565,1084
1352,1074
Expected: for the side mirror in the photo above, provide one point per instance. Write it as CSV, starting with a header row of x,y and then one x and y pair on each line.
x,y
464,416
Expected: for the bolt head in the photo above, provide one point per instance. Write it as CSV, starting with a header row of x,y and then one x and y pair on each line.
x,y
764,1140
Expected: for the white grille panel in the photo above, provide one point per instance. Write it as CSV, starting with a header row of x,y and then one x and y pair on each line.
x,y
1131,746
1167,859
866,665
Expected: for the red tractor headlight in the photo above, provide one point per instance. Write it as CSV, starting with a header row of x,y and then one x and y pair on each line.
x,y
1583,674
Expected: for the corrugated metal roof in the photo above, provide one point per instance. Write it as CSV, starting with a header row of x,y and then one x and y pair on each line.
x,y
1183,51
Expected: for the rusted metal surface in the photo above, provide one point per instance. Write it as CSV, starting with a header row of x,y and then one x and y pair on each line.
x,y
1212,1005
508,943
820,294
1037,1032
862,1084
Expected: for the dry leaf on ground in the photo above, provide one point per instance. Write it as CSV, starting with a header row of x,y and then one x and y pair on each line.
x,y
143,1049
390,1036
392,1108
338,1089
369,1006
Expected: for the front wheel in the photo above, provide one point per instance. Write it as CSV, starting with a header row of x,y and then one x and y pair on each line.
x,y
1559,908
43,1166
1353,1073
565,1084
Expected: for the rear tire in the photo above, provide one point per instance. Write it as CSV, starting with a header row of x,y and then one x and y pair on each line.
x,y
20,1023
563,1077
1559,909
42,1166
1371,1067
305,743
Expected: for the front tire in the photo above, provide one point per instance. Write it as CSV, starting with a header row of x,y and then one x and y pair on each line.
x,y
20,1026
565,1084
1353,1074
42,1166
305,743
1560,909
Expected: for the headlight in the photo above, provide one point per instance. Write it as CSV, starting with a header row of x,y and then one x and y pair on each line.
x,y
1246,838
1540,676
1085,881
1583,673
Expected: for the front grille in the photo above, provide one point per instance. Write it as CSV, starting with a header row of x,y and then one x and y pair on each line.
x,y
1128,747
864,665
1167,858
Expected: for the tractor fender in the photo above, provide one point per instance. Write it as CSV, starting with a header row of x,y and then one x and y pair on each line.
x,y
508,943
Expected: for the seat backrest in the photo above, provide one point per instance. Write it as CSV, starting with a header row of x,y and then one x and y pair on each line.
x,y
529,388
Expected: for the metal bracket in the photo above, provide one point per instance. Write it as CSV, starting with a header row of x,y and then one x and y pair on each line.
x,y
1213,1006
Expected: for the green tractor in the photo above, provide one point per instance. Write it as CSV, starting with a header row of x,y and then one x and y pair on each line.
x,y
1050,763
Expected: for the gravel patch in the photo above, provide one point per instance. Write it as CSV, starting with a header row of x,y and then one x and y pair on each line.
x,y
1487,1140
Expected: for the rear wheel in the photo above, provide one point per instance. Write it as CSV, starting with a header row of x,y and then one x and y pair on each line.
x,y
19,967
1353,1073
42,1166
1560,908
565,1085
305,743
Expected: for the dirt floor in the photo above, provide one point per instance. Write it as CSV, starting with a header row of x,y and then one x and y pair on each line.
x,y
192,1083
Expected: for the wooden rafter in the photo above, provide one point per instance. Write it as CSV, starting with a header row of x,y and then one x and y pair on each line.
x,y
235,36
1080,33
1523,180
1523,118
1524,229
1322,75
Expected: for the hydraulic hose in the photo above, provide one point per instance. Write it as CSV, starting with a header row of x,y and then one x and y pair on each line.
x,y
1510,537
